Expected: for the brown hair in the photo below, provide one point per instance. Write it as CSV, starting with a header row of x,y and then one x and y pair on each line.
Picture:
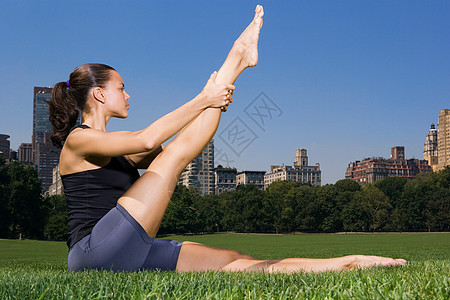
x,y
69,98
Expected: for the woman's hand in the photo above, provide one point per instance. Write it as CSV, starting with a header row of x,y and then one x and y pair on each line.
x,y
217,95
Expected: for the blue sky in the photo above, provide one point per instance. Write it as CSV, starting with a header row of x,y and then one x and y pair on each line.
x,y
350,79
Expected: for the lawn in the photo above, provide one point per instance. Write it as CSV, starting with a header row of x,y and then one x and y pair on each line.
x,y
35,269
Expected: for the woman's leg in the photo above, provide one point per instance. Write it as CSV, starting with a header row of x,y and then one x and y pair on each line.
x,y
197,257
148,197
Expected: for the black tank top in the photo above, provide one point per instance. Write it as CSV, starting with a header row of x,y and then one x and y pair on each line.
x,y
91,194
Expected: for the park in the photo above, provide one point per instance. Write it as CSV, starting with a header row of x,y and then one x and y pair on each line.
x,y
379,219
38,270
347,78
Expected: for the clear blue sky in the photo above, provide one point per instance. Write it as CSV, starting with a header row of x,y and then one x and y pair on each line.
x,y
351,78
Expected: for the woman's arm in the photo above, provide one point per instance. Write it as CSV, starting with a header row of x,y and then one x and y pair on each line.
x,y
144,159
87,142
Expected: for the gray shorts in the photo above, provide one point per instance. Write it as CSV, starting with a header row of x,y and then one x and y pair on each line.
x,y
119,243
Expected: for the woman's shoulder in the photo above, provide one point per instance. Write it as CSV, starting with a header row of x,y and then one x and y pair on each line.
x,y
75,133
72,158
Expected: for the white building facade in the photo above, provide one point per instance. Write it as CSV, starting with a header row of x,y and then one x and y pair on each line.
x,y
300,171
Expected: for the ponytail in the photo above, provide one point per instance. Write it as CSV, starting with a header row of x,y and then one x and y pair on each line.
x,y
63,113
69,98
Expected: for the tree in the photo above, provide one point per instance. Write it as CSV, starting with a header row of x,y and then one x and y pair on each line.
x,y
247,208
328,217
347,185
5,214
353,215
55,228
209,213
281,205
376,206
228,211
392,187
437,210
411,204
345,190
181,215
437,201
306,207
23,201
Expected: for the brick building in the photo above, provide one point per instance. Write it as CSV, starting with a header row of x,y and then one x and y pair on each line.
x,y
370,170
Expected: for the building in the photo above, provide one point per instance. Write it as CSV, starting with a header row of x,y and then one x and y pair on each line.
x,y
430,148
56,188
443,138
25,154
45,155
4,146
41,124
300,171
251,177
13,155
370,170
228,179
199,173
47,158
224,179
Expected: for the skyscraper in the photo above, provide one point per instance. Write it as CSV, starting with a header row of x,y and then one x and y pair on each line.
x,y
200,172
45,155
430,147
443,137
41,124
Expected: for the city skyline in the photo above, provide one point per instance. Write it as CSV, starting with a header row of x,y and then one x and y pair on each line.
x,y
345,80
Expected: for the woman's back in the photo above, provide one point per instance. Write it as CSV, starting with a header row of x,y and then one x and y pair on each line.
x,y
91,194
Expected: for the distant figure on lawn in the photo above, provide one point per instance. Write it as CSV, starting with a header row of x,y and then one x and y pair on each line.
x,y
114,214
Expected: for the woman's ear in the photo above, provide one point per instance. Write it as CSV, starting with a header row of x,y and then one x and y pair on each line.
x,y
97,92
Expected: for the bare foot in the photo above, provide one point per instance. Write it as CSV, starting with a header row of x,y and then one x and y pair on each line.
x,y
364,261
247,43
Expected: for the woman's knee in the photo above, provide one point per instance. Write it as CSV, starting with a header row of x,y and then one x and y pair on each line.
x,y
171,162
233,255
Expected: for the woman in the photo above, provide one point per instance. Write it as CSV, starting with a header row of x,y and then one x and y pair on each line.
x,y
114,214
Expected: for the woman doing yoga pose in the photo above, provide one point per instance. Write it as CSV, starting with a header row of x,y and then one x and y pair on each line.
x,y
114,214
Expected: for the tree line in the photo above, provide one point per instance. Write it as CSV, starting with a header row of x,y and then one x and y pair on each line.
x,y
392,204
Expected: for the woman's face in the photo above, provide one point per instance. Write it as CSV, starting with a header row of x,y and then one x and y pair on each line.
x,y
116,98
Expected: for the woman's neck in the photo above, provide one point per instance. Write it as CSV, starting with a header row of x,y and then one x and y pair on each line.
x,y
95,121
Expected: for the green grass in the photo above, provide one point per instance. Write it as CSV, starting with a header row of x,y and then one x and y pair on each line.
x,y
34,269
